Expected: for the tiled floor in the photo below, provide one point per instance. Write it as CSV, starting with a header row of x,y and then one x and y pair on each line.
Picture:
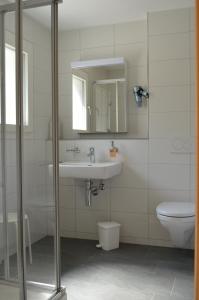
x,y
130,273
12,293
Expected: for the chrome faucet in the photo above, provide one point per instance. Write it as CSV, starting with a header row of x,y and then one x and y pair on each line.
x,y
91,154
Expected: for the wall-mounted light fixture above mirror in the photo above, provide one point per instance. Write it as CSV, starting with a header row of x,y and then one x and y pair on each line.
x,y
99,89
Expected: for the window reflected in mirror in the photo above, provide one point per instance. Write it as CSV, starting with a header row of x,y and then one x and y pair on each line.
x,y
99,96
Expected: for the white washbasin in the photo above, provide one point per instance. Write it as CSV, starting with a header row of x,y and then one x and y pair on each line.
x,y
101,170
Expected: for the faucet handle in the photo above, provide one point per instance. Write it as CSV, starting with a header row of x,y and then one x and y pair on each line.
x,y
91,154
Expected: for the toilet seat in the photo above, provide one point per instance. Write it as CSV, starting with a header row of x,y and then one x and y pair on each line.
x,y
178,218
176,210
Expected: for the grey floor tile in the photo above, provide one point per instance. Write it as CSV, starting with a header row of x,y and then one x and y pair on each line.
x,y
131,272
165,254
183,287
175,269
169,297
107,292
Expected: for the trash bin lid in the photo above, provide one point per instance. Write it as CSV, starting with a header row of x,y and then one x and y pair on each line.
x,y
108,225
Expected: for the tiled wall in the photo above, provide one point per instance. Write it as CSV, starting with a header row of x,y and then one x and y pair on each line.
x,y
157,169
35,168
171,118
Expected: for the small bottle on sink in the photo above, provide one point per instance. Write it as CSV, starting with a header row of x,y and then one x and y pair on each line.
x,y
113,152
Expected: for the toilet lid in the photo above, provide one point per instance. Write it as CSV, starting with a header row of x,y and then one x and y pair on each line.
x,y
176,209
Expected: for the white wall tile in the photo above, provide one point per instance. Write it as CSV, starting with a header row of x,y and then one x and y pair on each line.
x,y
36,33
97,36
42,104
169,176
66,181
137,76
169,98
65,106
42,81
65,84
156,230
133,151
135,54
10,152
171,72
131,224
96,53
193,72
192,19
67,219
69,40
41,128
38,149
193,124
42,58
132,176
87,236
137,126
163,151
171,21
129,200
86,221
193,196
171,46
132,32
11,179
68,234
67,197
65,59
193,177
167,125
193,44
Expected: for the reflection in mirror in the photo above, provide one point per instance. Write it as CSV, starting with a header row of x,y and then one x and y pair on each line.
x,y
99,96
79,102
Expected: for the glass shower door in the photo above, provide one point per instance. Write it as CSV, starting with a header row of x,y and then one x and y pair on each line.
x,y
39,204
29,241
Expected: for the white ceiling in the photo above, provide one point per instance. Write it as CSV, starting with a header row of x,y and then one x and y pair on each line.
x,y
85,13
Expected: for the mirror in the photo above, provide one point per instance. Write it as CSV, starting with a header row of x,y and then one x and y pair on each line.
x,y
99,96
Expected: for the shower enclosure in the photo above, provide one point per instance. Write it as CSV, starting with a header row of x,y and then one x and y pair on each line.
x,y
29,210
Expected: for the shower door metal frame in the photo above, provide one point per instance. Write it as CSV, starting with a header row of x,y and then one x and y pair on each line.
x,y
27,5
196,261
3,147
18,8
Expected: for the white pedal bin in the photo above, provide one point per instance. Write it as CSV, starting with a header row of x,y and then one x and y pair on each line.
x,y
109,235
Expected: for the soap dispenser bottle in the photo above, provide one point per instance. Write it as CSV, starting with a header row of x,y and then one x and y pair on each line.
x,y
113,152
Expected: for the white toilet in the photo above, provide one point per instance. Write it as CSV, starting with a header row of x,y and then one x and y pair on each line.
x,y
179,220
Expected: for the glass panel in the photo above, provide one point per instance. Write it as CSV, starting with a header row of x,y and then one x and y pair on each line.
x,y
38,199
8,201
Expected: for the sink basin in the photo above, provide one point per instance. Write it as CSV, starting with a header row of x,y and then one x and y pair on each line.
x,y
101,170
